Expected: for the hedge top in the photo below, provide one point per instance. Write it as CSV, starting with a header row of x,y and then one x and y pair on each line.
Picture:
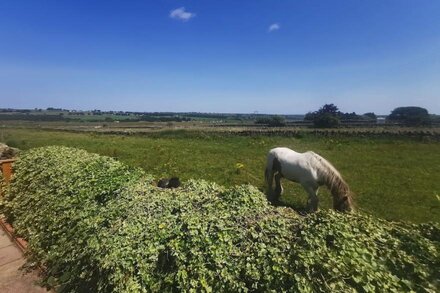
x,y
97,225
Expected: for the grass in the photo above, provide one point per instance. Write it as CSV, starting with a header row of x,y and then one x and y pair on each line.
x,y
393,178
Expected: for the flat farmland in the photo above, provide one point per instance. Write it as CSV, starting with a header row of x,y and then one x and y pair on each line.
x,y
393,177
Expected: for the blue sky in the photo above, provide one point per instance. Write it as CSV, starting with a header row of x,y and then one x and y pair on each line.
x,y
270,56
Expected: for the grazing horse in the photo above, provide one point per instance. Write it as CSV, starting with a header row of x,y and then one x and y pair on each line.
x,y
311,171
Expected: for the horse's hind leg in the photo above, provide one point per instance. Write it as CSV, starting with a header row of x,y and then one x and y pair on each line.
x,y
278,187
269,181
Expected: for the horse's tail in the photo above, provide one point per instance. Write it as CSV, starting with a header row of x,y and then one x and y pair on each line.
x,y
269,171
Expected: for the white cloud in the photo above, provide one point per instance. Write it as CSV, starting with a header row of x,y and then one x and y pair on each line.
x,y
274,27
181,14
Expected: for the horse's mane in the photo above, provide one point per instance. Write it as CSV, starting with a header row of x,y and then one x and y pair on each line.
x,y
330,176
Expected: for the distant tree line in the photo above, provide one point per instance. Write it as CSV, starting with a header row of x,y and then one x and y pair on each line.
x,y
163,119
329,116
9,110
61,117
272,121
10,117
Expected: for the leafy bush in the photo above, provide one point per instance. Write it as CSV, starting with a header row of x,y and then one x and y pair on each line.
x,y
410,116
328,116
370,115
96,225
326,120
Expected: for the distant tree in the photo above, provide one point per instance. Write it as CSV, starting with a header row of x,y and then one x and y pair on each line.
x,y
349,116
410,116
54,109
328,116
326,120
310,116
262,120
273,121
370,115
278,121
329,109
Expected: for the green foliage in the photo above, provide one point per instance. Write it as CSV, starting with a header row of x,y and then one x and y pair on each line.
x,y
370,115
329,116
273,121
326,120
329,109
411,116
96,225
326,117
309,116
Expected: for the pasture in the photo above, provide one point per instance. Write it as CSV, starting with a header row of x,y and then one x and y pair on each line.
x,y
395,178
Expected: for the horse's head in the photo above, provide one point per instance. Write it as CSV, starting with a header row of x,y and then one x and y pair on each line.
x,y
343,203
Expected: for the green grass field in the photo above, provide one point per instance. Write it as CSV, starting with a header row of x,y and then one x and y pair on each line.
x,y
393,178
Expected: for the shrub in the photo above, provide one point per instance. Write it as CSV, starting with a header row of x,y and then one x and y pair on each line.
x,y
410,116
96,225
370,116
326,117
326,120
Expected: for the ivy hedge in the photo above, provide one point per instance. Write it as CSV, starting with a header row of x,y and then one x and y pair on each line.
x,y
96,225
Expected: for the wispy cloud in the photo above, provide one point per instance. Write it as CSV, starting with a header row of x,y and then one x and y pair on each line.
x,y
274,27
181,14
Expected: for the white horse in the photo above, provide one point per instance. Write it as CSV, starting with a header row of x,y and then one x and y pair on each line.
x,y
311,171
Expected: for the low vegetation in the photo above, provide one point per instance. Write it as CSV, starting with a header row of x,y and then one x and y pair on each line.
x,y
97,225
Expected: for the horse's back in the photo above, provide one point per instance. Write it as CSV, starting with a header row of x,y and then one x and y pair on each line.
x,y
282,151
295,166
280,155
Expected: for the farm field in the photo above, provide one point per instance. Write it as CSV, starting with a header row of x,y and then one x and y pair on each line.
x,y
393,178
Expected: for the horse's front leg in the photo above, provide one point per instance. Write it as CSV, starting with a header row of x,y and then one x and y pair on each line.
x,y
313,201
